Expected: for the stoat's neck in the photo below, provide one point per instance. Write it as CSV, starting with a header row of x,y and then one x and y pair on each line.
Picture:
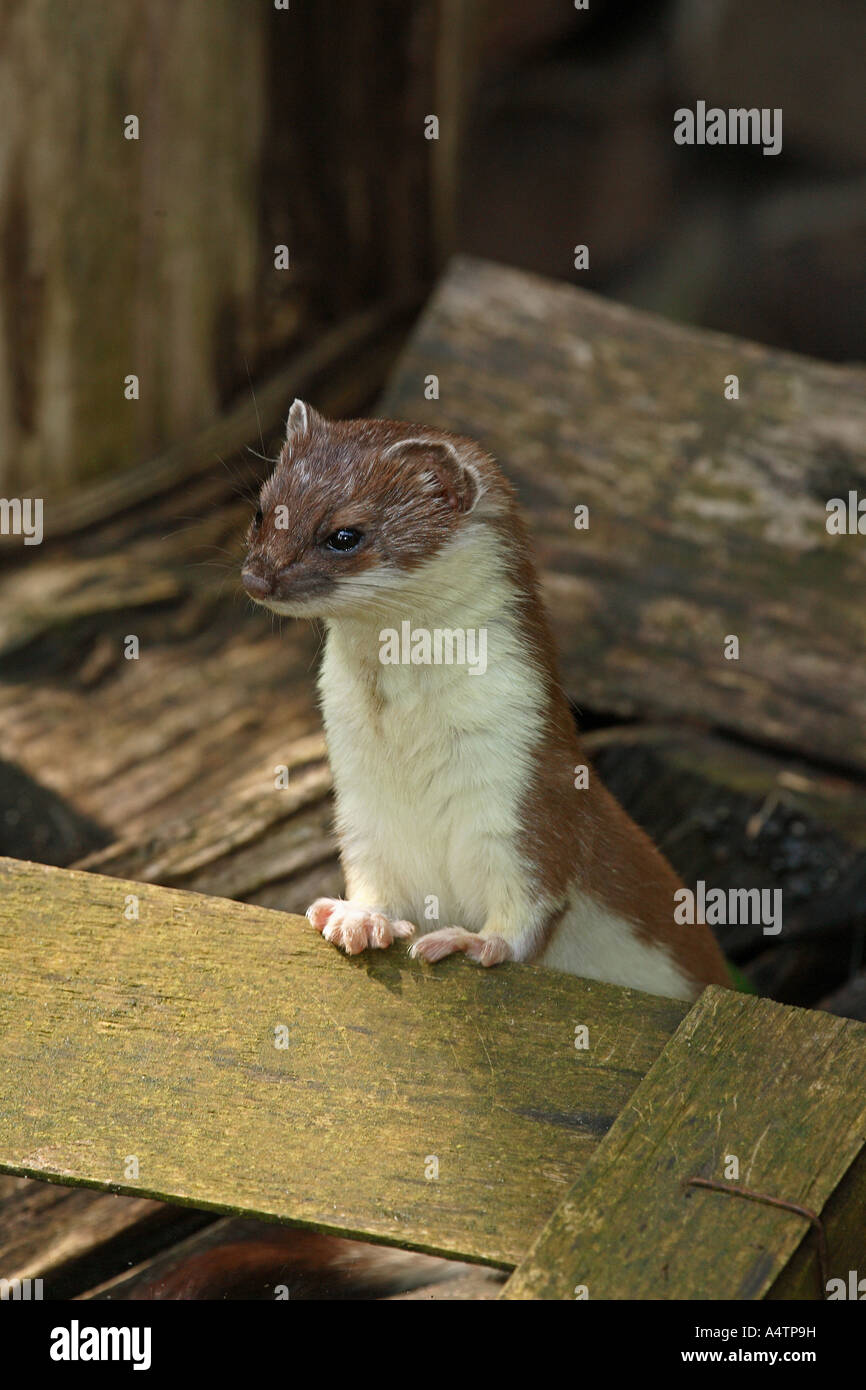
x,y
467,585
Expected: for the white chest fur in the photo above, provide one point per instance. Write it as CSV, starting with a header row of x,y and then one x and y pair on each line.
x,y
429,760
430,767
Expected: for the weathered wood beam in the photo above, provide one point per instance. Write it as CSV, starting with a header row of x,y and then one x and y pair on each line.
x,y
782,1091
154,1040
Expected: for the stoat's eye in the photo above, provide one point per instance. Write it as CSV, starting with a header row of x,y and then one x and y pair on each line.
x,y
347,538
258,518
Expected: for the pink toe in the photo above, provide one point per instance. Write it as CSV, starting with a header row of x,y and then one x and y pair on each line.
x,y
379,931
332,931
403,929
355,937
493,950
439,944
320,912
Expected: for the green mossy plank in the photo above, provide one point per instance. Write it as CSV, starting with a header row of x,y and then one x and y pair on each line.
x,y
155,1039
782,1089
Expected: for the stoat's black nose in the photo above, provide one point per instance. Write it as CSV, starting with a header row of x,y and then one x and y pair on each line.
x,y
256,585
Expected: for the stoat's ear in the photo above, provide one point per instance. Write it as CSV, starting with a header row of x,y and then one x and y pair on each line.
x,y
302,420
454,468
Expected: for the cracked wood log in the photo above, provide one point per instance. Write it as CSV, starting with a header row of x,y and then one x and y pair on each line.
x,y
781,1090
155,1039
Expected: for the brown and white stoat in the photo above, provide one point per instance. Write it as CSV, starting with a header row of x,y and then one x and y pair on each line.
x,y
455,787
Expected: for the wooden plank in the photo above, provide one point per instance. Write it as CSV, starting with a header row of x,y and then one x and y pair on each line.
x,y
707,516
784,1090
156,1039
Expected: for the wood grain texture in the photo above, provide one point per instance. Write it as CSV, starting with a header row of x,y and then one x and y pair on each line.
x,y
707,516
156,1039
782,1089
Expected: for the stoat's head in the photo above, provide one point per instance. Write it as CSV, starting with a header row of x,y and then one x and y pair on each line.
x,y
356,507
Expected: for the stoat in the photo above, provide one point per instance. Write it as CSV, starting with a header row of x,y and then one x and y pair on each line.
x,y
461,821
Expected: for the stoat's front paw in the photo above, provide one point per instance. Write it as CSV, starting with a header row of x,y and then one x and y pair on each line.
x,y
436,945
353,926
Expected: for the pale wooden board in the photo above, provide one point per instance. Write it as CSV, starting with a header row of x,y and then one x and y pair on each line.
x,y
782,1089
707,516
156,1039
